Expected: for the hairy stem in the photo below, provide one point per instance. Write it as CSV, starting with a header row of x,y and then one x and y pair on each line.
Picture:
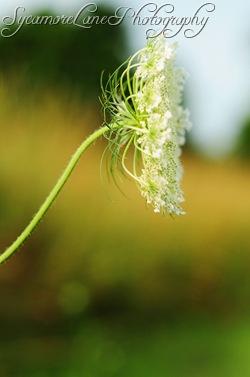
x,y
52,196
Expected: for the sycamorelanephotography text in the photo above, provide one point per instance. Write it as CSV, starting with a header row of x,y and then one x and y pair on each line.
x,y
158,19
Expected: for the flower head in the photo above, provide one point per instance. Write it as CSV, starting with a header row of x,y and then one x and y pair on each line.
x,y
142,106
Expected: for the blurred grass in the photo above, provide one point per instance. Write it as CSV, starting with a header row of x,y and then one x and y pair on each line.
x,y
187,349
149,278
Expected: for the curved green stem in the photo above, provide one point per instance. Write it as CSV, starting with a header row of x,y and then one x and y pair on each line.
x,y
53,194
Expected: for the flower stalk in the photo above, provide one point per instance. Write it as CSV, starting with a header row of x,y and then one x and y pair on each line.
x,y
52,196
142,111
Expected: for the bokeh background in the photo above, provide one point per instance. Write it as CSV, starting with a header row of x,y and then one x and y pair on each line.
x,y
105,287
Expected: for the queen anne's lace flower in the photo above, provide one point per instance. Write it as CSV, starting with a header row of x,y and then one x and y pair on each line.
x,y
144,105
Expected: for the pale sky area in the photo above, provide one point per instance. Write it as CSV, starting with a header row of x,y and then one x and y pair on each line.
x,y
217,60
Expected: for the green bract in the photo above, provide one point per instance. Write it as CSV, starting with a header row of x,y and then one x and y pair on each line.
x,y
142,108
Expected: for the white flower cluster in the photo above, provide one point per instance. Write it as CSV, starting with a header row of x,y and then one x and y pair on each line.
x,y
163,122
142,108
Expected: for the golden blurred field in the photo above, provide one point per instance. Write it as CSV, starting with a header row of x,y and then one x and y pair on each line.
x,y
118,242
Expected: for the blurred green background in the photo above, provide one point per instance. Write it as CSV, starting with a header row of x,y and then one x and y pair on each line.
x,y
106,287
